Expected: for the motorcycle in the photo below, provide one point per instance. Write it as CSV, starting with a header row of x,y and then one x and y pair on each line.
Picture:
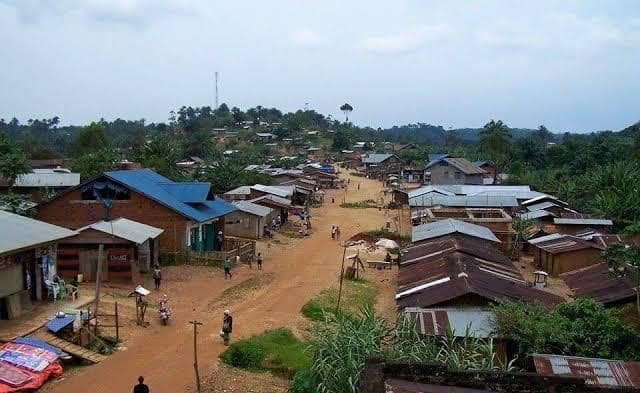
x,y
164,311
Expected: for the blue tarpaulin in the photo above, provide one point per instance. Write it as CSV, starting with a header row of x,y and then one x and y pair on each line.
x,y
57,324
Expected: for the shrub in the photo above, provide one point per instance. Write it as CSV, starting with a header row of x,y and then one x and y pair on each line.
x,y
355,295
369,203
582,328
357,174
244,354
275,350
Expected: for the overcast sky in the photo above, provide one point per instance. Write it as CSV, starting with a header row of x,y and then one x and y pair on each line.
x,y
571,65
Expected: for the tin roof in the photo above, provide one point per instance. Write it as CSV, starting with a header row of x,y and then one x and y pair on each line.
x,y
447,226
272,200
438,272
462,164
535,214
541,206
252,208
463,201
19,232
48,178
280,191
436,321
564,243
596,282
123,228
174,195
375,158
425,190
242,190
595,372
582,221
543,197
436,156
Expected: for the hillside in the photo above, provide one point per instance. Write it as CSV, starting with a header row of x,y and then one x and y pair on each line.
x,y
427,133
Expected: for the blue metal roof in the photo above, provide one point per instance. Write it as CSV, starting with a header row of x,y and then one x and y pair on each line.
x,y
436,156
188,199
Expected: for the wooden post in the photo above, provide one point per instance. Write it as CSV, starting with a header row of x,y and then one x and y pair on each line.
x,y
195,324
117,323
341,277
97,294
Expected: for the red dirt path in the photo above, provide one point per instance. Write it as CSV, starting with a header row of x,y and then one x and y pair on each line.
x,y
164,354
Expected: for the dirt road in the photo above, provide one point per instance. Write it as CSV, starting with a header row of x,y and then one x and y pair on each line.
x,y
164,354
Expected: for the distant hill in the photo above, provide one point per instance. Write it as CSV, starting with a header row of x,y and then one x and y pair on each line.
x,y
427,133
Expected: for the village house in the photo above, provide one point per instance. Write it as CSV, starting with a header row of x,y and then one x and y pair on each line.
x,y
491,172
237,194
265,136
249,220
322,178
412,174
314,153
596,282
454,171
573,225
560,253
281,206
497,220
259,190
381,165
41,183
27,262
129,247
187,212
458,270
433,230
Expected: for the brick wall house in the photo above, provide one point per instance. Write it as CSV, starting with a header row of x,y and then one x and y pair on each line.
x,y
189,217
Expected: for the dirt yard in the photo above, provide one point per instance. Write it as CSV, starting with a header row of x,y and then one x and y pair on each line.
x,y
297,270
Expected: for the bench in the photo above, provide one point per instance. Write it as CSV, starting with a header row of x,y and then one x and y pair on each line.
x,y
379,264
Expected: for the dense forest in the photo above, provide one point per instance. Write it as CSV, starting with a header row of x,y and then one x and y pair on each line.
x,y
597,173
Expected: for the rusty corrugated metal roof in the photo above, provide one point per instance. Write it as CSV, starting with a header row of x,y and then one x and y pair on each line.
x,y
596,372
393,385
596,283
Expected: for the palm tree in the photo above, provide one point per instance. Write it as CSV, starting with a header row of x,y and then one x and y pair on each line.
x,y
346,109
495,137
624,261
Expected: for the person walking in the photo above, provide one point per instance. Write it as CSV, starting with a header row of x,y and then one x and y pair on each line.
x,y
157,276
227,268
238,260
358,186
227,326
259,261
141,387
333,232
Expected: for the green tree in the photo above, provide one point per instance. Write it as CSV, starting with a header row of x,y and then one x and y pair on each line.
x,y
90,139
161,153
521,234
624,261
13,162
346,109
341,140
495,138
94,163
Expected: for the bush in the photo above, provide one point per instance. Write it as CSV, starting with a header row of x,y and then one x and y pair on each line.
x,y
582,328
244,354
357,174
369,203
301,383
355,295
275,350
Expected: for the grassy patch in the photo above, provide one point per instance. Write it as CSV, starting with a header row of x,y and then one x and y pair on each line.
x,y
250,284
369,203
357,174
291,234
402,240
278,351
355,295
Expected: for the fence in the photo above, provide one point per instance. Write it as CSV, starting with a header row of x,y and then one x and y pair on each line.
x,y
233,246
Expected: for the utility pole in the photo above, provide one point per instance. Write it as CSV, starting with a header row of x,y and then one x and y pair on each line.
x,y
216,90
98,276
195,324
344,253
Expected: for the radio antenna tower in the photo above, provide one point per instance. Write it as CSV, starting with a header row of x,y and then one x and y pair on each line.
x,y
216,90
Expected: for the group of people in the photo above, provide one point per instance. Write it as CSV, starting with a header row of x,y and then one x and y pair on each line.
x,y
335,232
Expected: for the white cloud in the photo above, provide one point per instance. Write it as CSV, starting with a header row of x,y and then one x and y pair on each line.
x,y
125,11
307,38
407,41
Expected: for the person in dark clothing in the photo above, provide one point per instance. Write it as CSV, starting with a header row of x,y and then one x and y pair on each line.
x,y
227,326
259,261
141,387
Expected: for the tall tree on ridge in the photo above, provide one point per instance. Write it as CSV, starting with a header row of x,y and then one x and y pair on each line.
x,y
346,109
